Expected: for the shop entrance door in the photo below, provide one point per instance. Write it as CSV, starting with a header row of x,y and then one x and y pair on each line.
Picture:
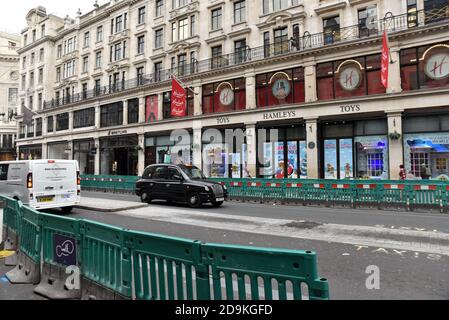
x,y
338,158
121,158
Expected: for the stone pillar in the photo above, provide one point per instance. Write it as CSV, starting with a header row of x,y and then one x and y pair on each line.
x,y
141,155
70,147
310,82
44,150
97,157
394,73
125,112
71,121
251,142
97,117
142,109
395,147
312,153
198,100
197,145
44,126
160,109
251,102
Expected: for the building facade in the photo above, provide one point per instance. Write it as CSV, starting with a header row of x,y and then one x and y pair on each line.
x,y
100,87
9,94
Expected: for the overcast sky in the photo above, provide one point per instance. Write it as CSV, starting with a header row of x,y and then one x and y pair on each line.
x,y
12,16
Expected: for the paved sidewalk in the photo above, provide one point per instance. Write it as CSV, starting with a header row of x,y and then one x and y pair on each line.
x,y
108,205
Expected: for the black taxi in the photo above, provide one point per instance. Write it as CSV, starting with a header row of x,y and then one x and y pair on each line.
x,y
179,183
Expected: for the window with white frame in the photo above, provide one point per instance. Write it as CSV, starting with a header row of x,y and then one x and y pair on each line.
x,y
140,44
86,39
69,69
98,59
41,55
178,3
239,11
183,26
99,33
216,16
141,15
85,64
159,7
159,38
69,45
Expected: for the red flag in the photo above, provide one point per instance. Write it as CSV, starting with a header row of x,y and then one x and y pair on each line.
x,y
385,61
178,99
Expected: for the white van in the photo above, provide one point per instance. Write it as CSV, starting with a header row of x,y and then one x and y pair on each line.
x,y
42,184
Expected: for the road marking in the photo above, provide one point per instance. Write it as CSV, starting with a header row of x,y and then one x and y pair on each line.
x,y
386,238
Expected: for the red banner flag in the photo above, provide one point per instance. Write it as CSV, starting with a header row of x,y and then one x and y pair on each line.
x,y
178,99
385,61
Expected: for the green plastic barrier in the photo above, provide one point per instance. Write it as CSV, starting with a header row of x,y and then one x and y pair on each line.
x,y
11,214
106,258
30,233
278,273
164,267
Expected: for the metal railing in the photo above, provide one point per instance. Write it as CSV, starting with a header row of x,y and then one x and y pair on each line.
x,y
308,41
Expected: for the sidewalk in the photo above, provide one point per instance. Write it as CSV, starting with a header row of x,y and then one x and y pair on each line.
x,y
108,205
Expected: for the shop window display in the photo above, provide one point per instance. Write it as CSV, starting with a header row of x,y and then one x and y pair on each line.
x,y
372,157
426,155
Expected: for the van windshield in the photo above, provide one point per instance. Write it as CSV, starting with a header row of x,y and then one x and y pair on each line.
x,y
193,172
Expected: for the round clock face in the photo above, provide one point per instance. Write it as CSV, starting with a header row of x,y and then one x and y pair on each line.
x,y
281,88
226,96
14,75
437,66
350,78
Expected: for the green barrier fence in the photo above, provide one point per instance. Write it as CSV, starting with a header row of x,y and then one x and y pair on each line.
x,y
106,258
408,194
131,264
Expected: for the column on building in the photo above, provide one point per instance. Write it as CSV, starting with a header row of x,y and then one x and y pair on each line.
x,y
312,148
251,142
142,109
97,116
395,147
394,74
44,126
70,121
250,81
44,150
197,98
197,144
97,157
310,81
125,112
70,150
141,155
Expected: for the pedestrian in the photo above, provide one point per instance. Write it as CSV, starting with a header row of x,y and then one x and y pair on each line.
x,y
424,171
402,172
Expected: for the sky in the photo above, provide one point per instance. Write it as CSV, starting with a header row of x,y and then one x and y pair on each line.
x,y
12,17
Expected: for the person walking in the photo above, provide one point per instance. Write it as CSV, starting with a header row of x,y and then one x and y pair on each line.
x,y
402,172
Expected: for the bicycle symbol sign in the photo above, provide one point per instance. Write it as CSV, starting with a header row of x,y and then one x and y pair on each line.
x,y
64,249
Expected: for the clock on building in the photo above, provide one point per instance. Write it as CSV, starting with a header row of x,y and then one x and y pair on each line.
x,y
350,78
226,96
14,75
437,66
281,88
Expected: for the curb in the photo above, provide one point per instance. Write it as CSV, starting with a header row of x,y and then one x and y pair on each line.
x,y
111,210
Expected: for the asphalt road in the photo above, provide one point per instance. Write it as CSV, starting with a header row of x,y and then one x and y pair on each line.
x,y
404,274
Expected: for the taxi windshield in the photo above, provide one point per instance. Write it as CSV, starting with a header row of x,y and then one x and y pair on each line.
x,y
193,172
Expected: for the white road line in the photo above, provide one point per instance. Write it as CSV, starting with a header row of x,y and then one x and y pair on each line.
x,y
410,240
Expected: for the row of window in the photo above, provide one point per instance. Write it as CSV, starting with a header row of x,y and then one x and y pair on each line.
x,y
33,58
34,35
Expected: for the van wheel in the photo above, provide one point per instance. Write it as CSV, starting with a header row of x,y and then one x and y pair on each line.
x,y
145,197
67,209
194,200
